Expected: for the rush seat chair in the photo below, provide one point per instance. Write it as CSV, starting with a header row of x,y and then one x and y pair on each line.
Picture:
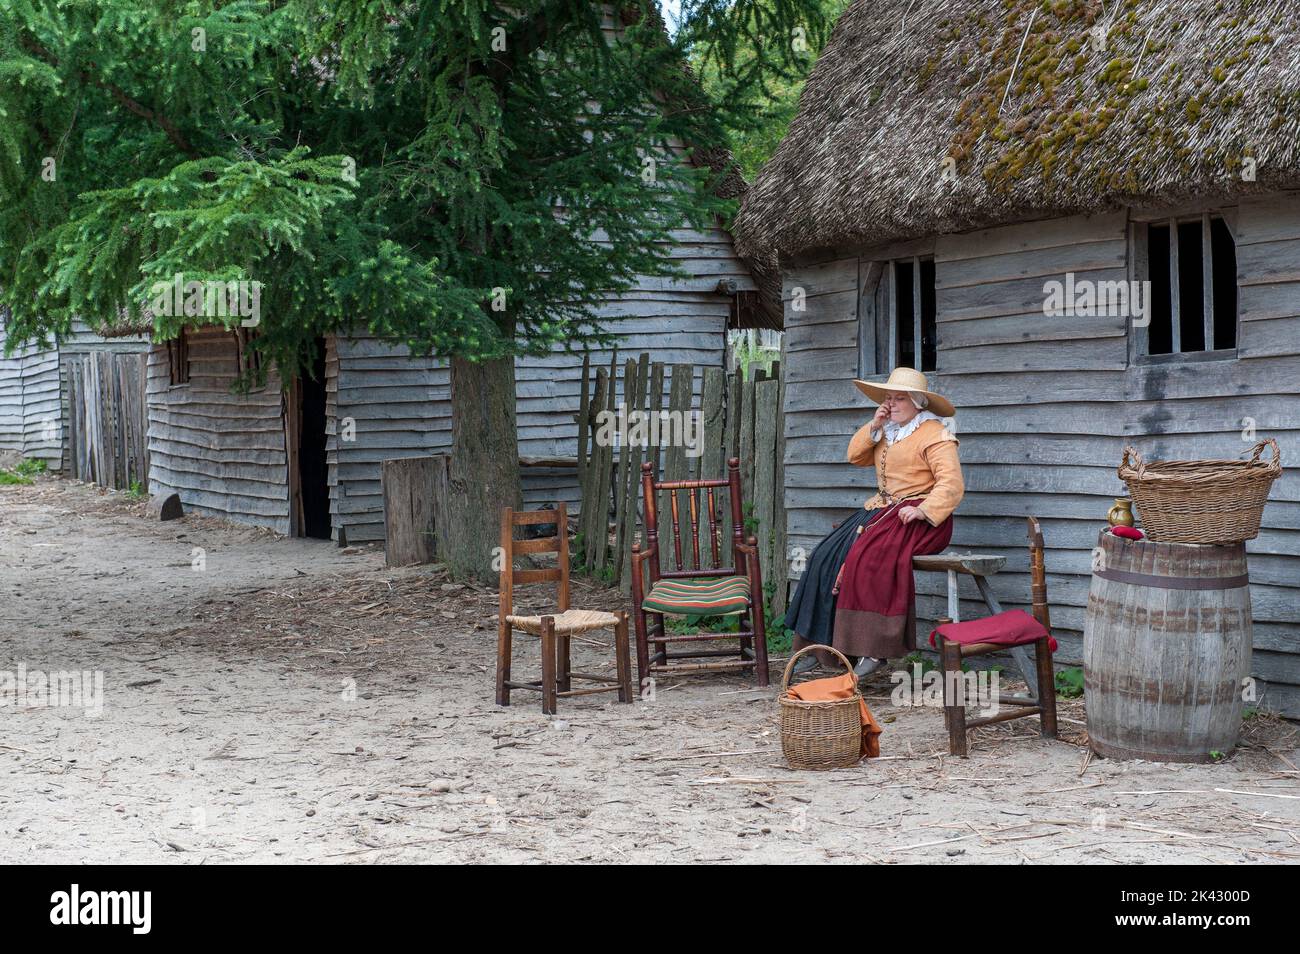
x,y
998,633
696,589
555,629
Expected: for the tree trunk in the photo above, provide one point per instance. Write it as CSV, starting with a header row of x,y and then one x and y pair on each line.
x,y
484,464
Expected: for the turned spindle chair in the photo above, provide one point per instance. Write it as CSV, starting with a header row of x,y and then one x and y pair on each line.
x,y
999,633
555,629
698,590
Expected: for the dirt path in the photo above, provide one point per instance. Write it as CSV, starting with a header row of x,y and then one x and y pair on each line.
x,y
291,701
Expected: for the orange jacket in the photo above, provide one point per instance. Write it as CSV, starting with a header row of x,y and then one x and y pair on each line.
x,y
922,465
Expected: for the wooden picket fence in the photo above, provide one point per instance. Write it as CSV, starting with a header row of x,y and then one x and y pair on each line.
x,y
108,419
736,418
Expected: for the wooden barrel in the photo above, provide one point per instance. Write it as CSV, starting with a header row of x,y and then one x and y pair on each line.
x,y
1166,648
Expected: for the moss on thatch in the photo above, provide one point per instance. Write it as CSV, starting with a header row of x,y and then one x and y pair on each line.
x,y
1047,107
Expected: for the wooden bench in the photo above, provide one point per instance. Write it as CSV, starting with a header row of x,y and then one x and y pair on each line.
x,y
980,566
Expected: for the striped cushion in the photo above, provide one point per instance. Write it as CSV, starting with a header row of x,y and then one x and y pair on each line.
x,y
712,596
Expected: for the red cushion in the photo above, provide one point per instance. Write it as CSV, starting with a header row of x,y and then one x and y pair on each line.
x,y
1128,532
1008,628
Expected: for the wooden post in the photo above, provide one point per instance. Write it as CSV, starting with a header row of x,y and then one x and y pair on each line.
x,y
781,564
408,510
623,658
595,499
583,422
548,665
633,486
654,405
711,461
747,410
675,460
735,397
444,507
626,474
763,466
505,605
955,708
604,481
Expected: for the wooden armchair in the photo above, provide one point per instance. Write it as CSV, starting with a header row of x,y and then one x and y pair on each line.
x,y
715,590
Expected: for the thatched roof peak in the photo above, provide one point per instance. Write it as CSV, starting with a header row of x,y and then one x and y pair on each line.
x,y
927,117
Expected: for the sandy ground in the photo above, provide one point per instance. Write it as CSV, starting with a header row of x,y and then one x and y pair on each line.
x,y
290,701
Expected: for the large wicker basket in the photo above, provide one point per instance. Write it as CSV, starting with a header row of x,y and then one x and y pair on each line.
x,y
820,735
1200,501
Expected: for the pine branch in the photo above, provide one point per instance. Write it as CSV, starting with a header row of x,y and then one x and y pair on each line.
x,y
38,49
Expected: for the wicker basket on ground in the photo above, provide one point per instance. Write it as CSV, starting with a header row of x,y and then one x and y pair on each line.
x,y
1200,501
820,735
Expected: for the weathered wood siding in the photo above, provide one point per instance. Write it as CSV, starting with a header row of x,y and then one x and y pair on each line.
x,y
29,402
1045,407
34,396
82,341
223,452
393,405
401,405
674,326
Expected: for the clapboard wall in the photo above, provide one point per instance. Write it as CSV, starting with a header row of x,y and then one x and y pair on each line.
x,y
30,420
222,452
401,406
391,405
1045,407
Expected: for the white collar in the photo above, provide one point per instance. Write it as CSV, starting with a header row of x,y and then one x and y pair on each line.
x,y
896,432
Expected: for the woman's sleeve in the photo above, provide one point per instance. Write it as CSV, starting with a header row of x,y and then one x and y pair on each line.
x,y
949,487
862,448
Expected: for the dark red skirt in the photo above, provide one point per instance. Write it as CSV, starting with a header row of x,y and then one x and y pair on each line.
x,y
875,613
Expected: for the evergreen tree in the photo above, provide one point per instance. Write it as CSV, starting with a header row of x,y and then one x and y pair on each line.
x,y
773,103
464,176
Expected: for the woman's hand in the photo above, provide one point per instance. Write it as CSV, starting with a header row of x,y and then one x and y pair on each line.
x,y
908,514
881,416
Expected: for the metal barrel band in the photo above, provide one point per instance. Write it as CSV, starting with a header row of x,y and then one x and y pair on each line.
x,y
1175,582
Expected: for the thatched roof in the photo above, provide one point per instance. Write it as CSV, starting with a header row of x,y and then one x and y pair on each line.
x,y
762,265
1121,102
126,327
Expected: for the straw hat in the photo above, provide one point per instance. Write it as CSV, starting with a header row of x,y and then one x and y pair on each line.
x,y
913,381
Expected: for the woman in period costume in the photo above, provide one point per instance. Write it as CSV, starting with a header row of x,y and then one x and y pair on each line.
x,y
857,592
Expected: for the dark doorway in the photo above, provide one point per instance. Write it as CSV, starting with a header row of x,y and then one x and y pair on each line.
x,y
313,467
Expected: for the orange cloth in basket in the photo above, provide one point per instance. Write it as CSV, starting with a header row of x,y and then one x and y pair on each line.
x,y
842,687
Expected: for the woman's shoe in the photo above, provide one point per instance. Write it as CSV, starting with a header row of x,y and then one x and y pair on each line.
x,y
804,664
866,666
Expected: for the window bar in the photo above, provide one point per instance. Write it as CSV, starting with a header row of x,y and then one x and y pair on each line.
x,y
1175,306
1207,282
893,314
917,360
1140,269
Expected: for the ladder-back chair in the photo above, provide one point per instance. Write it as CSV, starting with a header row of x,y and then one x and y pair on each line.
x,y
555,629
999,633
698,590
